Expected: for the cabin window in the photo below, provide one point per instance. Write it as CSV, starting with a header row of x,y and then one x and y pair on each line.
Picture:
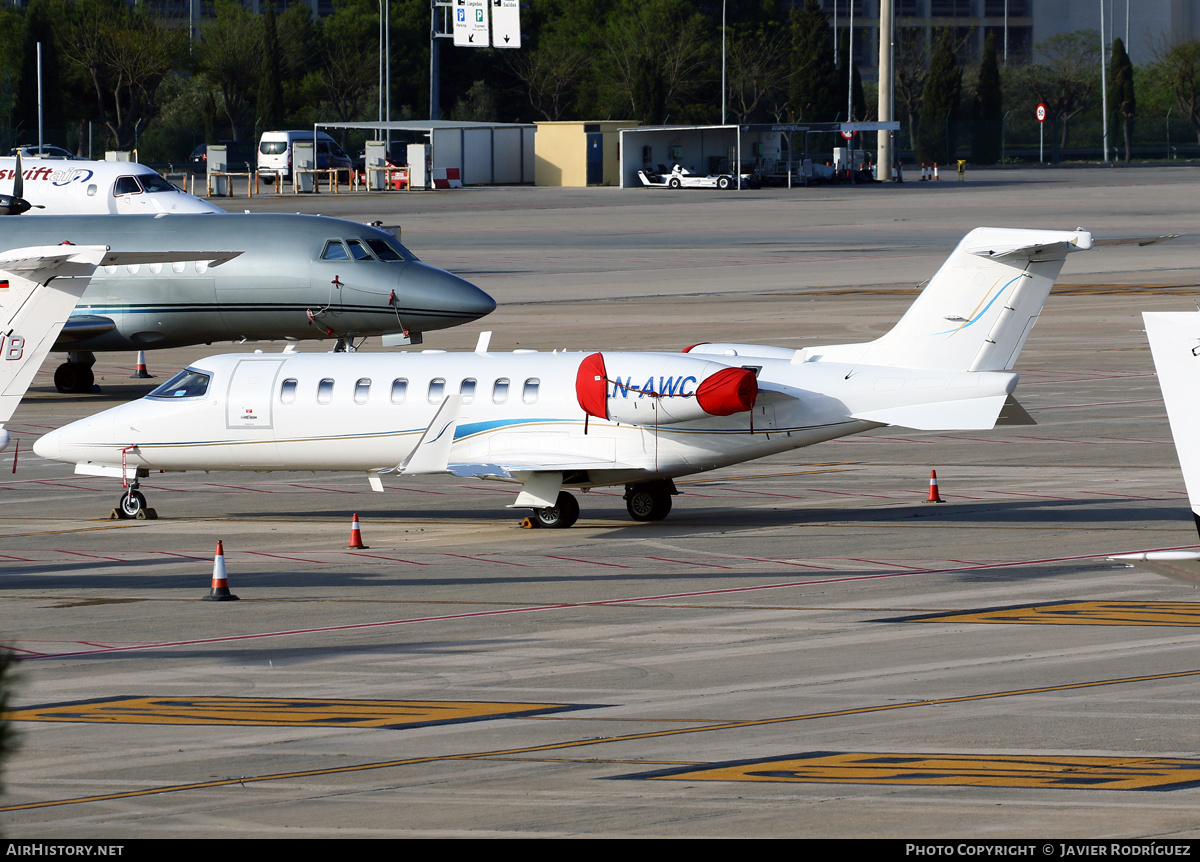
x,y
399,390
500,390
334,250
467,390
287,392
437,390
530,392
325,391
177,266
126,186
358,250
188,383
92,189
362,389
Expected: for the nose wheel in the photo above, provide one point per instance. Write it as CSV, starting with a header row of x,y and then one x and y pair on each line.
x,y
132,506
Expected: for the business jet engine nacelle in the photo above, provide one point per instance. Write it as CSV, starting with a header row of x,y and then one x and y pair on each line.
x,y
661,389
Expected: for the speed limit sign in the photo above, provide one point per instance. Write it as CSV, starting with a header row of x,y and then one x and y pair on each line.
x,y
1041,113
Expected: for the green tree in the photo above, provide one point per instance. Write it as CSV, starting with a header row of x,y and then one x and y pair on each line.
x,y
987,109
1120,71
39,28
939,104
814,88
269,103
1067,79
230,53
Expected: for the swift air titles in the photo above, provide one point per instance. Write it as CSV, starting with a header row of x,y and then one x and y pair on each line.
x,y
294,277
580,420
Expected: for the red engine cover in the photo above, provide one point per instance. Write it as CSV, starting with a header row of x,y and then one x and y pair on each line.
x,y
729,391
591,386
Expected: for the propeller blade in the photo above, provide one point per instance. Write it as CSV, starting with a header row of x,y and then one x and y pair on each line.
x,y
18,191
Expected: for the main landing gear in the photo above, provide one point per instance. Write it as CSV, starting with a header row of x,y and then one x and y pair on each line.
x,y
75,375
650,501
646,501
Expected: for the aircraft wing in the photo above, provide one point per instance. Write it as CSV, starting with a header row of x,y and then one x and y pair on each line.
x,y
1177,565
124,258
511,465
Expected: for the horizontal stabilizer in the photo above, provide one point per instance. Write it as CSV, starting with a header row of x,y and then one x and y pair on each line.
x,y
968,414
432,452
1014,414
1176,565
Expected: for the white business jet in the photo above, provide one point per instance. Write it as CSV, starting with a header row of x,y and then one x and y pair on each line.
x,y
79,187
551,421
1175,345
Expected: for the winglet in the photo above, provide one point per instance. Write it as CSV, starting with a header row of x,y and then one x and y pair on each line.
x,y
1175,345
432,452
39,287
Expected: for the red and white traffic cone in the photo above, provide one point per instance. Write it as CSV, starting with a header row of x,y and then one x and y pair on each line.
x,y
356,542
936,175
220,585
934,496
140,373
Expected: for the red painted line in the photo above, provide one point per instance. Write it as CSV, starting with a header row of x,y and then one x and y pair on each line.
x,y
319,488
239,488
93,556
590,562
790,563
16,559
282,557
484,560
598,603
183,556
689,563
879,563
390,559
850,494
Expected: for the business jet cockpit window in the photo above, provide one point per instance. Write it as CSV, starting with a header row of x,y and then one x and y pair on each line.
x,y
188,383
155,183
358,251
334,250
389,250
126,186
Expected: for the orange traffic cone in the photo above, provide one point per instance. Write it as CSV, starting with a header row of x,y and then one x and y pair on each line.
x,y
936,175
356,542
934,496
220,586
140,373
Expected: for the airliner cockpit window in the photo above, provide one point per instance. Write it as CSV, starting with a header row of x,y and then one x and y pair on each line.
x,y
389,250
188,383
334,251
156,183
126,186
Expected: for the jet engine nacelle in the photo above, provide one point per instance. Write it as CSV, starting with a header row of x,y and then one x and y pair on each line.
x,y
661,389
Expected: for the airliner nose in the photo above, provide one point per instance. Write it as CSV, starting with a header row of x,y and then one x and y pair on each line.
x,y
440,299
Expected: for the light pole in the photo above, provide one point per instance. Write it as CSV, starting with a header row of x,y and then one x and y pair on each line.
x,y
723,91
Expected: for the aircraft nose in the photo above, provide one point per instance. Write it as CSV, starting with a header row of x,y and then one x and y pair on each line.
x,y
441,298
49,446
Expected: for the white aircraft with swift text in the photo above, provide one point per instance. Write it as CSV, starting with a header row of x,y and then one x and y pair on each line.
x,y
577,420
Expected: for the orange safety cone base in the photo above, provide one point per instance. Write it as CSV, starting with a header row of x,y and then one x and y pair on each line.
x,y
934,496
220,584
356,542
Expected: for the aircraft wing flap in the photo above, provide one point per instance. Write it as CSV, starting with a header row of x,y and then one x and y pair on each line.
x,y
509,466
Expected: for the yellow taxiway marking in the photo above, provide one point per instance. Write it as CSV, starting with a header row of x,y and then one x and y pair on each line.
x,y
1083,614
1068,773
278,712
566,745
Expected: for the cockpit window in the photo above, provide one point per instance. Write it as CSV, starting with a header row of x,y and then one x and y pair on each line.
x,y
389,250
188,383
358,251
126,186
156,183
334,250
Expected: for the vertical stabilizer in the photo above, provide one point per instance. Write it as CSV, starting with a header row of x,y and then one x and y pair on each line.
x,y
977,311
1175,344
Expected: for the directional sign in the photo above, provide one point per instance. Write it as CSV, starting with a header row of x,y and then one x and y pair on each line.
x,y
470,23
1041,113
506,23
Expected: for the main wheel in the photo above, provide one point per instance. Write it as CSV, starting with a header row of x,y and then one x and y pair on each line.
x,y
724,182
561,515
648,503
674,182
131,503
73,377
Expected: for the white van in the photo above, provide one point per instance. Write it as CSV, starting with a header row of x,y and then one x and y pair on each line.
x,y
275,153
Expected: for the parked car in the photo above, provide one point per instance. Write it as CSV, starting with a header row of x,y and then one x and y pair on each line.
x,y
275,153
238,155
31,151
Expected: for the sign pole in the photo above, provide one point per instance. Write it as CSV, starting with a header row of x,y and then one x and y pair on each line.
x,y
1041,118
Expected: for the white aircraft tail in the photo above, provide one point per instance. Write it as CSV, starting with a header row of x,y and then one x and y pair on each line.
x,y
1175,345
977,311
39,287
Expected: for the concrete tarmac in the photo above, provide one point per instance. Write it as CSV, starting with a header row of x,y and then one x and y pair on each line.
x,y
803,648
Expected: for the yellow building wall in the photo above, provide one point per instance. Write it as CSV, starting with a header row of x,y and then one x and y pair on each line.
x,y
560,152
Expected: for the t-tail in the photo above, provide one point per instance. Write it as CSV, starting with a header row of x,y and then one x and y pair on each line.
x,y
977,311
39,287
1175,345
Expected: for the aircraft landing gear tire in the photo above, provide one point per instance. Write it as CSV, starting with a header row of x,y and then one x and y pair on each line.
x,y
561,515
73,377
674,182
648,502
131,503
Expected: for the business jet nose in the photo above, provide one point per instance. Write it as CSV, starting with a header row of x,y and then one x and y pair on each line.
x,y
49,446
441,298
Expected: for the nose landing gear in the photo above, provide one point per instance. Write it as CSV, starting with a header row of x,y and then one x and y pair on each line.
x,y
132,505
